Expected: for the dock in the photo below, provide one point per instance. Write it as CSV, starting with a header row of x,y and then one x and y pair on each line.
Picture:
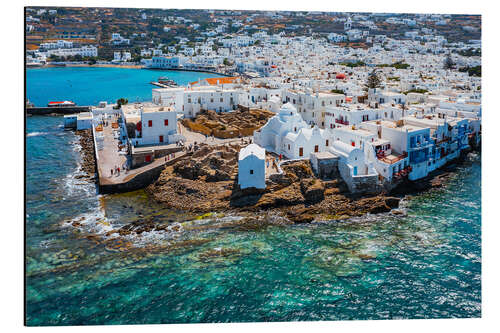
x,y
158,84
108,156
161,85
40,111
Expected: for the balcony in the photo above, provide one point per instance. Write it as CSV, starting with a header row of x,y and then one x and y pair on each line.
x,y
391,159
342,122
403,173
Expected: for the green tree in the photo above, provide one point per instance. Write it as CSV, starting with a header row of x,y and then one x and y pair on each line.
x,y
373,81
121,101
448,62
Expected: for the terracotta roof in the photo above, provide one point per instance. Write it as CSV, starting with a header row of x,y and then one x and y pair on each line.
x,y
213,80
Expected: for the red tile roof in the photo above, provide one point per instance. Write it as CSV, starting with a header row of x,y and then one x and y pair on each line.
x,y
213,80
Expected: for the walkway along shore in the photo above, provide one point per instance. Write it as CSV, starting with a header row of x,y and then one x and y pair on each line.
x,y
108,157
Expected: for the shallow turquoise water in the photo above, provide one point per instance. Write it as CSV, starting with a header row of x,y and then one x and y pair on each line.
x,y
426,264
89,86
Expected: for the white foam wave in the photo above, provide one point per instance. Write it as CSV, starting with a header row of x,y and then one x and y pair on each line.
x,y
37,133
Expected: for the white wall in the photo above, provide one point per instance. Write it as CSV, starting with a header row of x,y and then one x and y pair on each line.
x,y
256,179
151,135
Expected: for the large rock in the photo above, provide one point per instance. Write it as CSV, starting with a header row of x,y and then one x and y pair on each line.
x,y
312,189
379,208
301,169
290,195
392,202
217,176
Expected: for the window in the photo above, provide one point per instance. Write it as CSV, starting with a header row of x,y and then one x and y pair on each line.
x,y
251,171
316,148
211,100
221,99
326,143
166,122
288,147
189,100
150,123
301,151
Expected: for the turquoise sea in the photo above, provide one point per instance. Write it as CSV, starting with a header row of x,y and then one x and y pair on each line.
x,y
90,85
425,264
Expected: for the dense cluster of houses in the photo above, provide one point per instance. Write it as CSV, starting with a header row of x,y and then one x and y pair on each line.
x,y
418,117
385,136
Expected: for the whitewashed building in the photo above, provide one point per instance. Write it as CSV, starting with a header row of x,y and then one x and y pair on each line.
x,y
157,126
288,134
252,167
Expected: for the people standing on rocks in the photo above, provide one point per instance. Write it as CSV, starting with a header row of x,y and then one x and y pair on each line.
x,y
111,172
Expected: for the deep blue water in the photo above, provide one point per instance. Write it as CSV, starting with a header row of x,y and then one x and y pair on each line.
x,y
426,264
90,85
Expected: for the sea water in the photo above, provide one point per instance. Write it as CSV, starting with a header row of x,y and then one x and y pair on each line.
x,y
423,264
90,85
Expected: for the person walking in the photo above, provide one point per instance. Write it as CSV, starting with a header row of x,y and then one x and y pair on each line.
x,y
111,172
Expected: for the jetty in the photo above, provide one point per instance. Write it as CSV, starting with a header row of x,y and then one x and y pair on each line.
x,y
111,152
40,111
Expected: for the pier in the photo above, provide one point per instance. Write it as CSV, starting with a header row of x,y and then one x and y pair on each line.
x,y
108,155
40,111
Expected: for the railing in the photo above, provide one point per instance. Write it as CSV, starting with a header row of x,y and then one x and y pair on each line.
x,y
402,173
392,161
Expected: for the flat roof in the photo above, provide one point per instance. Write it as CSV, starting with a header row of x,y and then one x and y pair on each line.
x,y
158,109
324,155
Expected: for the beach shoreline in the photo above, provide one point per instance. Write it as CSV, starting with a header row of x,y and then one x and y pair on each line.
x,y
128,67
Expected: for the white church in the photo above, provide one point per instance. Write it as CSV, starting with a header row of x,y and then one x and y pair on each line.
x,y
288,134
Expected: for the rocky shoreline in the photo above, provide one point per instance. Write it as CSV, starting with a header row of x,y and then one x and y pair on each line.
x,y
204,186
88,159
207,182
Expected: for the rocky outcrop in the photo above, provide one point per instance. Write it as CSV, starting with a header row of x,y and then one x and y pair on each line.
x,y
312,189
88,160
207,182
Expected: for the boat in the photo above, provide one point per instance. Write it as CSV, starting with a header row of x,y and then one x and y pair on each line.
x,y
61,104
165,80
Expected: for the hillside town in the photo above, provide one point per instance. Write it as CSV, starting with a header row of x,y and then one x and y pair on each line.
x,y
361,101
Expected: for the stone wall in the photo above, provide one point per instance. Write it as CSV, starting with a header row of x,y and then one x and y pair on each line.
x,y
326,168
359,184
140,181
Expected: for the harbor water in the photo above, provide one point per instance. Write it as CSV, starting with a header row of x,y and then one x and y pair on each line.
x,y
425,263
90,85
